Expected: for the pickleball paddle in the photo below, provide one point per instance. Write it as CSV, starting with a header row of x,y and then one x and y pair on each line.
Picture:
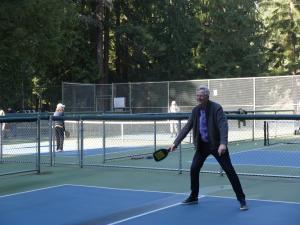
x,y
160,154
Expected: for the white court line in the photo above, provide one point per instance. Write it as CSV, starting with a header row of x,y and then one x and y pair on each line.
x,y
254,199
249,150
264,165
263,148
138,190
91,186
126,189
249,164
143,214
39,189
170,206
179,193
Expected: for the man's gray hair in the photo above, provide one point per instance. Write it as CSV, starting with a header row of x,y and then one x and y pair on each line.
x,y
204,89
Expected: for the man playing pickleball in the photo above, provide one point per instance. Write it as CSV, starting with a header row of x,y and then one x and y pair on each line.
x,y
210,137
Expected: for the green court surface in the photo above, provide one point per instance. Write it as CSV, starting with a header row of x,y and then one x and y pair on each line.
x,y
281,189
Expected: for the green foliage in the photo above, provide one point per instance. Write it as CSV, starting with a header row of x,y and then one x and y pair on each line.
x,y
157,38
232,45
45,42
39,39
282,19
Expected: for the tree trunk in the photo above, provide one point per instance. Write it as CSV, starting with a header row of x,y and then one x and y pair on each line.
x,y
100,19
118,38
105,77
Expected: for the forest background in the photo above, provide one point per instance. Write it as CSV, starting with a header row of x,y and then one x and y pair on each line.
x,y
47,42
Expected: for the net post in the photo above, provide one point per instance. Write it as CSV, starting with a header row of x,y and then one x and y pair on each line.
x,y
266,134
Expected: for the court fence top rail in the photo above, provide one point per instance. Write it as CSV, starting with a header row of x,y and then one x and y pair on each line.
x,y
143,116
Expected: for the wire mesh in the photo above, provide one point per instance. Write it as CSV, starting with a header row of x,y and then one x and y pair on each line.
x,y
18,147
252,93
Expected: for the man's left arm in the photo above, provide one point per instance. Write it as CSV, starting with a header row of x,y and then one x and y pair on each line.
x,y
223,129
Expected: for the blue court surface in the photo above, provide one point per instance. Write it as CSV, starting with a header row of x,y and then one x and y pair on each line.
x,y
99,151
86,205
264,158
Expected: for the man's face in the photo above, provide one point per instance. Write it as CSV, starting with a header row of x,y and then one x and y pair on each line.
x,y
201,97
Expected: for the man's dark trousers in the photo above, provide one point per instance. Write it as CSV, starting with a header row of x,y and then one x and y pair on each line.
x,y
224,160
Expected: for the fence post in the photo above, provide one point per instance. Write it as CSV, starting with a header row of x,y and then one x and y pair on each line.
x,y
103,140
130,103
168,96
38,139
50,127
78,135
1,143
112,98
180,151
81,144
95,99
53,144
155,127
254,107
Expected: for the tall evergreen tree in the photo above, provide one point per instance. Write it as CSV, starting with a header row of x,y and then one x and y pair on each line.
x,y
282,20
232,45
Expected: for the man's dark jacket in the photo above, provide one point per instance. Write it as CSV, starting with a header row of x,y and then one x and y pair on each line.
x,y
216,124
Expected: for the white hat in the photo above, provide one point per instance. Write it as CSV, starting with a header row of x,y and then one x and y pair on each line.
x,y
59,105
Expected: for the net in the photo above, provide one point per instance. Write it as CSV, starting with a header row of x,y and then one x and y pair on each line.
x,y
282,132
121,139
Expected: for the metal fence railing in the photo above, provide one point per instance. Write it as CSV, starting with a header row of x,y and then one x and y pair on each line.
x,y
260,145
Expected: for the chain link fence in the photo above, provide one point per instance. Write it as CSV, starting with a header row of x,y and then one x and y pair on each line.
x,y
260,145
19,145
254,93
263,145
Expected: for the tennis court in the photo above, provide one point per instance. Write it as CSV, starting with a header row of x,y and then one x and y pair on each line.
x,y
78,204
